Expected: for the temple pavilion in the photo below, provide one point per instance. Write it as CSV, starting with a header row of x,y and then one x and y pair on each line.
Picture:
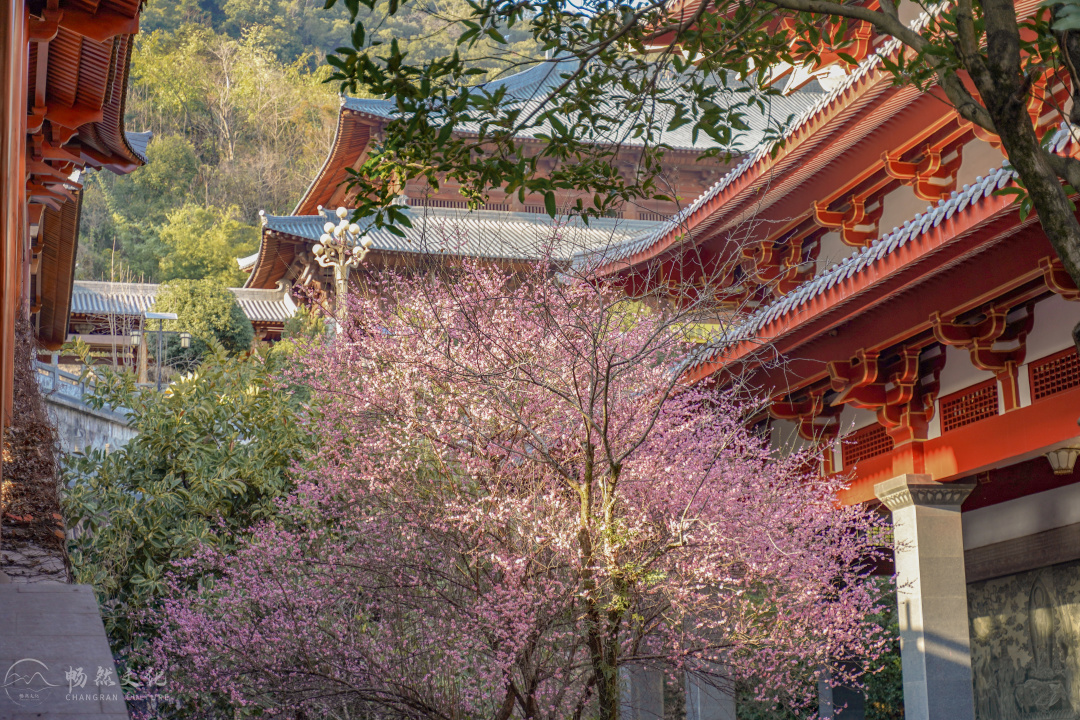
x,y
919,319
64,81
925,323
505,229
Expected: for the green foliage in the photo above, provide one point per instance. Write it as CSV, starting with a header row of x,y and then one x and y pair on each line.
x,y
307,323
211,456
300,31
236,131
885,688
292,29
207,310
235,93
123,213
204,243
1066,14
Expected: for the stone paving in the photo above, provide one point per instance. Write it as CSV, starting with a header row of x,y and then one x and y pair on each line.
x,y
54,657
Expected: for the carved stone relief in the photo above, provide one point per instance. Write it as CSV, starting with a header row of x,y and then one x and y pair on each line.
x,y
1025,644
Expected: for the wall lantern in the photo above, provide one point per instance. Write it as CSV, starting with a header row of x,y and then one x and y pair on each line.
x,y
185,339
136,338
1063,460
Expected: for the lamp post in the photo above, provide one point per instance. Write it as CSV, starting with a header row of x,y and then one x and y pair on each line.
x,y
341,247
138,354
161,318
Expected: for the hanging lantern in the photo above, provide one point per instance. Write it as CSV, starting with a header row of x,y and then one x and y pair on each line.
x,y
1063,460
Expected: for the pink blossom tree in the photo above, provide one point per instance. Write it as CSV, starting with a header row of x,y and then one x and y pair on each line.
x,y
516,500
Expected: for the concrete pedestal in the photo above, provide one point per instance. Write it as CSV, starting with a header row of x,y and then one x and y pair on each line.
x,y
931,596
705,701
642,696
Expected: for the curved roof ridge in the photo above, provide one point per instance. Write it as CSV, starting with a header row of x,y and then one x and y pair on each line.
x,y
761,154
959,201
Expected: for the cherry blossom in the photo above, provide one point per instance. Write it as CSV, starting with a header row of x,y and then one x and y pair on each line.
x,y
515,498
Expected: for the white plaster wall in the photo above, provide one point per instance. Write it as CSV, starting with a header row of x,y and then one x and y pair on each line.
x,y
1023,383
785,437
832,251
979,159
959,373
901,205
1024,516
851,419
1051,332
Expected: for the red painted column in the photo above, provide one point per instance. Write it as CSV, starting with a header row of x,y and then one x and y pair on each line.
x,y
13,228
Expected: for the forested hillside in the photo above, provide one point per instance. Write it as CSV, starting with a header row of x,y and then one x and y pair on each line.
x,y
234,93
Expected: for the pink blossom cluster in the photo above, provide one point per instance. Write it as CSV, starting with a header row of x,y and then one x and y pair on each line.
x,y
515,498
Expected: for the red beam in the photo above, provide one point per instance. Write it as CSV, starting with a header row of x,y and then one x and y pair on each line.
x,y
100,26
944,250
995,442
74,116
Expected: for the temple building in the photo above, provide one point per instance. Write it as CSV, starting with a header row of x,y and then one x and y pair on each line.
x,y
62,94
924,324
505,229
65,82
104,314
924,333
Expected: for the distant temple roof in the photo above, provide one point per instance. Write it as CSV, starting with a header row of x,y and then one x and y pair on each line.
x,y
488,234
530,86
445,232
138,141
114,298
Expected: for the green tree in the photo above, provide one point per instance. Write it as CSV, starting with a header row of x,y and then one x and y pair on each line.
x,y
211,456
122,213
172,171
204,244
235,129
207,310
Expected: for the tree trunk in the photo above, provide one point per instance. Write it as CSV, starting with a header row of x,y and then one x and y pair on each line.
x,y
1005,90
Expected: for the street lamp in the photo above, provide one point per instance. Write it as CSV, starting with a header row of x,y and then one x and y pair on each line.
x,y
161,318
185,340
135,337
341,247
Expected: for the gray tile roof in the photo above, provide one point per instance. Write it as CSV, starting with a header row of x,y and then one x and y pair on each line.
x,y
138,142
862,259
529,87
480,233
111,298
371,106
678,223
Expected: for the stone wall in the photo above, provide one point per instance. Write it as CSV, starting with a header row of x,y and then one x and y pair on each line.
x,y
80,427
1025,644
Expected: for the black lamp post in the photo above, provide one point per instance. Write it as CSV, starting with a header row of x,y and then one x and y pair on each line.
x,y
161,318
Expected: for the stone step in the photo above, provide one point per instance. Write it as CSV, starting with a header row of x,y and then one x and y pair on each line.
x,y
54,656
